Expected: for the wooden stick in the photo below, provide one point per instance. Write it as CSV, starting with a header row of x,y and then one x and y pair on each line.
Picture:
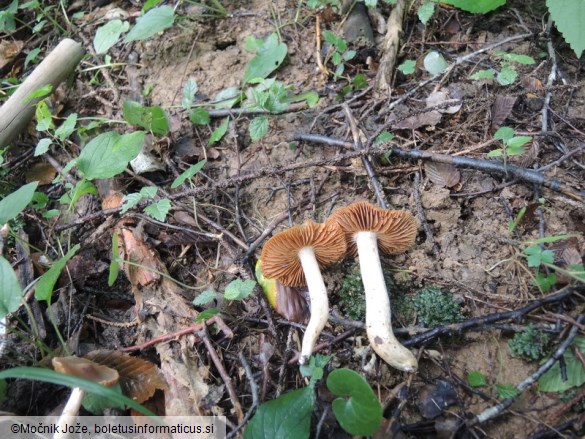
x,y
17,111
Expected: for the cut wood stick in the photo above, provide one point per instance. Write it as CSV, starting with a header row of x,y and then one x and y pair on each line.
x,y
17,111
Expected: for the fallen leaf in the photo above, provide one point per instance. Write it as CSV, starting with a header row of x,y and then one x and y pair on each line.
x,y
41,172
431,118
501,109
442,174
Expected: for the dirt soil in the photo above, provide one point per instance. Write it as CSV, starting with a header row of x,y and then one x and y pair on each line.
x,y
219,220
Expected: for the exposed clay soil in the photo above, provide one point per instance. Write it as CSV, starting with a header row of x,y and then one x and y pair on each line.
x,y
469,251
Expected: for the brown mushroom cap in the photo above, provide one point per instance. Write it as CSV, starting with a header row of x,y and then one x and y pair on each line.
x,y
280,258
396,229
84,368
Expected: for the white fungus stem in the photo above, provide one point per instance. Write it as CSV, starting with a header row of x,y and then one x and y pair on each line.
x,y
319,302
378,314
70,412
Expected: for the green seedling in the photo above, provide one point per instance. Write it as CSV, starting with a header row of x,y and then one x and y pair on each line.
x,y
339,53
508,73
477,379
512,145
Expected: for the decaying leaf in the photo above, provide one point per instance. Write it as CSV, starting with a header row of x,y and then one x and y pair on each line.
x,y
433,399
139,378
501,109
442,174
41,172
568,249
441,98
431,118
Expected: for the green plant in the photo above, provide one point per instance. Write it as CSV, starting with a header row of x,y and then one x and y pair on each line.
x,y
512,145
573,375
357,408
530,344
508,73
435,308
477,379
339,53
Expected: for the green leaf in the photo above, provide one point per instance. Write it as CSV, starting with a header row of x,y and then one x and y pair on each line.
x,y
131,200
536,256
108,35
67,127
207,314
545,283
569,16
154,21
475,6
312,98
39,92
483,74
219,132
148,191
504,134
513,224
349,55
383,137
159,210
359,414
552,381
228,97
286,417
149,4
81,188
189,91
407,67
7,23
154,119
239,289
97,404
495,153
109,153
50,376
199,116
425,12
476,379
10,291
548,239
514,57
14,203
269,56
44,287
506,391
507,75
518,142
205,297
43,115
115,263
434,63
314,370
31,56
258,128
188,174
360,81
42,147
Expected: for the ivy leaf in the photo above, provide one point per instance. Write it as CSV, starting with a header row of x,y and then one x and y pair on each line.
x,y
239,289
159,210
154,21
358,410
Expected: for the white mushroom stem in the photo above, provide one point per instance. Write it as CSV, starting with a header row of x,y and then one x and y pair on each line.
x,y
70,411
319,302
378,315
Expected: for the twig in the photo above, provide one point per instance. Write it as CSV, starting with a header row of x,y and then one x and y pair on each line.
x,y
358,146
253,389
390,48
223,373
496,410
223,112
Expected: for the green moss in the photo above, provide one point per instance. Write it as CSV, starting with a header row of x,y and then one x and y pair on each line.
x,y
530,344
435,308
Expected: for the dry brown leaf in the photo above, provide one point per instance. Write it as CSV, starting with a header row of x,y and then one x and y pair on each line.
x,y
139,378
8,50
41,172
441,98
431,118
442,174
501,109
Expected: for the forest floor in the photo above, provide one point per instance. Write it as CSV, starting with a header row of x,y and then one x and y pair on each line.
x,y
248,190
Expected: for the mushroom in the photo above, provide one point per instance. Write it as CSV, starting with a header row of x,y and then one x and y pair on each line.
x,y
368,228
290,302
295,257
83,368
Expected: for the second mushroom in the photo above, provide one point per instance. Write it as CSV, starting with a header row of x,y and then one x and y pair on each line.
x,y
368,228
295,257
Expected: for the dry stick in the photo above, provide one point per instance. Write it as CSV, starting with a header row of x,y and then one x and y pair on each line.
x,y
295,358
223,373
18,110
383,83
496,410
253,389
491,318
358,146
255,112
